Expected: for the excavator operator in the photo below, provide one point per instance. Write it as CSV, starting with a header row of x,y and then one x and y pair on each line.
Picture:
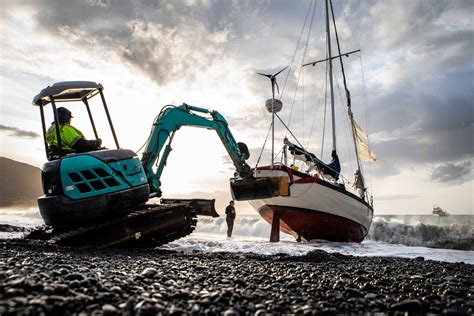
x,y
72,139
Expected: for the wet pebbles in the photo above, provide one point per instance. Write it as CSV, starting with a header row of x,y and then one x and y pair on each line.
x,y
42,279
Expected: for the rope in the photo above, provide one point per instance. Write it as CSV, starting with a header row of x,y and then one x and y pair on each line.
x,y
306,152
263,147
154,121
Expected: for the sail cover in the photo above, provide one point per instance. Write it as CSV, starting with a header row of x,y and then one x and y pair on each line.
x,y
333,169
362,142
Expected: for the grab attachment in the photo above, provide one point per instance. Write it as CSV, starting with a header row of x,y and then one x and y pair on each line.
x,y
202,207
259,188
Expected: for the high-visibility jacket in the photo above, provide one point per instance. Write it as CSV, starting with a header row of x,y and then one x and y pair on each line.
x,y
69,136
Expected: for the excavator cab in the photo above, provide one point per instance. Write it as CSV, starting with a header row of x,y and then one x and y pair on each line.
x,y
81,187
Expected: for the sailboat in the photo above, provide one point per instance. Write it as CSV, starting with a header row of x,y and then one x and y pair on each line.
x,y
317,203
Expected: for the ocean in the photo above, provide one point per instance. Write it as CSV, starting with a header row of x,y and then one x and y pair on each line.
x,y
448,239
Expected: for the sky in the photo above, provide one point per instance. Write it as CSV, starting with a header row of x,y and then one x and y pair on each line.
x,y
411,85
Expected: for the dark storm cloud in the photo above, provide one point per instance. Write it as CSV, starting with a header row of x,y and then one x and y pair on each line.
x,y
16,132
417,56
165,40
435,125
452,172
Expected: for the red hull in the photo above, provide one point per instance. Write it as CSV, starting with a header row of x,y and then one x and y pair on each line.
x,y
311,224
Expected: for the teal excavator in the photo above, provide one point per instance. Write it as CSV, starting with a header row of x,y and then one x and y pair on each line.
x,y
100,198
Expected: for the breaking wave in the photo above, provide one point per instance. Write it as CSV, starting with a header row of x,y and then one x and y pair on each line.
x,y
391,231
424,231
395,231
243,226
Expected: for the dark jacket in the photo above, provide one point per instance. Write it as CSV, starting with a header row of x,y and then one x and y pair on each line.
x,y
230,212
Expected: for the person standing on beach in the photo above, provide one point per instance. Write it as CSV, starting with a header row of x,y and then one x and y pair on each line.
x,y
230,218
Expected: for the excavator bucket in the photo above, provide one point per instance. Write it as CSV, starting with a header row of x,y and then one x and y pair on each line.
x,y
202,207
251,189
259,188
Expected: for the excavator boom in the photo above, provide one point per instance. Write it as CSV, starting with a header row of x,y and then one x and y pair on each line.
x,y
244,186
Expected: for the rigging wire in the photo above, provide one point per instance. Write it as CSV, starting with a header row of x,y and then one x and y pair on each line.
x,y
364,88
296,48
301,68
325,108
348,24
299,143
348,95
302,101
320,97
346,119
367,117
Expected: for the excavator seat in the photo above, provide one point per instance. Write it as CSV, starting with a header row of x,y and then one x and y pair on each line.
x,y
53,152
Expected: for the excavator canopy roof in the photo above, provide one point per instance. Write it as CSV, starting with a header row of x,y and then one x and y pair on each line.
x,y
67,91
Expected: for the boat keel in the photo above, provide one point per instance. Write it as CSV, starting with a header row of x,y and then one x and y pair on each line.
x,y
275,233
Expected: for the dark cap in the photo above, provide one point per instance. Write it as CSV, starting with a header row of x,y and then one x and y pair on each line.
x,y
64,115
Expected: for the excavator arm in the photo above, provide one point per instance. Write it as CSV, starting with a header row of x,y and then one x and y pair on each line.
x,y
170,119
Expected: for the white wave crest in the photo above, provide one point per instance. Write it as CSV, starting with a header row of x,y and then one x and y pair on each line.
x,y
395,231
243,226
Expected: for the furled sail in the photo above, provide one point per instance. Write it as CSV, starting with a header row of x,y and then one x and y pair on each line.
x,y
332,169
362,142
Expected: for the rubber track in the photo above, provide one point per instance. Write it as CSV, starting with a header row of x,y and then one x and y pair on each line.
x,y
90,235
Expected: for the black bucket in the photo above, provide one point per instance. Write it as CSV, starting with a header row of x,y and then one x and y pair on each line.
x,y
251,189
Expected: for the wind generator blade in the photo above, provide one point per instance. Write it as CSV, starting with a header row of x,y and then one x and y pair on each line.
x,y
265,75
280,71
278,88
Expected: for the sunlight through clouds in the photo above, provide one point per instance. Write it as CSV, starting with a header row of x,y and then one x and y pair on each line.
x,y
417,62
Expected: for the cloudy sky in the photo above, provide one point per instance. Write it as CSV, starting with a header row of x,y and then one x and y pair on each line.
x,y
412,85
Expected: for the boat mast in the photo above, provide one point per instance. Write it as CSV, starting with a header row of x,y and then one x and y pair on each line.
x,y
274,108
359,179
331,87
273,123
348,94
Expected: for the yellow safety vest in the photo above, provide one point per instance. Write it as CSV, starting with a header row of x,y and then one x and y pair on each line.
x,y
69,135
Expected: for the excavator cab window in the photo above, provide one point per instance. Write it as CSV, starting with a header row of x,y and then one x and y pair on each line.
x,y
69,91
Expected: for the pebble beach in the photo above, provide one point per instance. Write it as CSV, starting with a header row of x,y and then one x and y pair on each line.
x,y
44,279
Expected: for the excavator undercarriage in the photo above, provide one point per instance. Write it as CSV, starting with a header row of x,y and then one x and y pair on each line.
x,y
151,225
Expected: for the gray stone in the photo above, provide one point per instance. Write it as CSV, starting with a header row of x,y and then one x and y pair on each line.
x,y
231,312
74,276
149,272
408,306
108,309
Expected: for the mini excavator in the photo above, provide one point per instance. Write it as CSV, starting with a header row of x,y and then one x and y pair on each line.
x,y
100,198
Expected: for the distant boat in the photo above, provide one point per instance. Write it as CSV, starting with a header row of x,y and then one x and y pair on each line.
x,y
439,211
316,204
